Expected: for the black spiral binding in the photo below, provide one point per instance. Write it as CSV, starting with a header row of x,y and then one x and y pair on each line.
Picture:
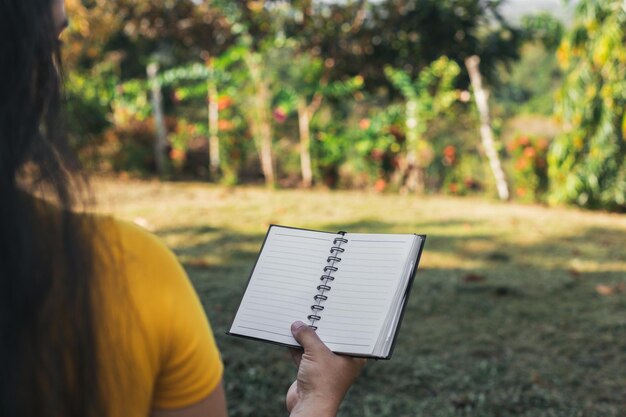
x,y
326,278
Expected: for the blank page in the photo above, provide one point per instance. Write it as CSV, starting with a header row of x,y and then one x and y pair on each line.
x,y
363,290
283,284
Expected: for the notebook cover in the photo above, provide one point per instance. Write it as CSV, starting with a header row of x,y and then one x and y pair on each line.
x,y
406,296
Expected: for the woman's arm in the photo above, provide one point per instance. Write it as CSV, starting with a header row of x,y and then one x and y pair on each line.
x,y
212,406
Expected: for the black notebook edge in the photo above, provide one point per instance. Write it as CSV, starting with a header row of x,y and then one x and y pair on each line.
x,y
407,292
397,331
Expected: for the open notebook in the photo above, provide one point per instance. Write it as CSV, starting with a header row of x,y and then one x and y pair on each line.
x,y
351,287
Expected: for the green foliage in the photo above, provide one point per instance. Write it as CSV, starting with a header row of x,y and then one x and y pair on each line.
x,y
457,167
587,163
433,88
530,84
427,97
375,146
131,102
545,28
88,105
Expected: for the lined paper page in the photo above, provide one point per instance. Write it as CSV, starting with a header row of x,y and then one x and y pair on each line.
x,y
362,292
283,284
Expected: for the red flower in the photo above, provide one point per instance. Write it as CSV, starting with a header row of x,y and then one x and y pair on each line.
x,y
530,152
523,140
224,102
380,185
279,115
177,154
365,124
225,125
449,155
521,164
449,151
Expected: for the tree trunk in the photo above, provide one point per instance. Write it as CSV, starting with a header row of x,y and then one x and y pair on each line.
x,y
265,132
214,144
160,143
482,96
261,119
359,17
305,143
411,177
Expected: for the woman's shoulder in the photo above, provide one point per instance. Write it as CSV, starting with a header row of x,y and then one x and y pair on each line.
x,y
177,347
141,255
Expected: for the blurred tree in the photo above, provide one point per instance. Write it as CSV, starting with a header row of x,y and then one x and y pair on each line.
x,y
90,29
587,164
430,94
408,34
356,36
179,31
543,27
304,87
259,110
529,85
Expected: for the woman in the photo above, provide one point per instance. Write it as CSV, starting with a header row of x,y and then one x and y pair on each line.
x,y
97,318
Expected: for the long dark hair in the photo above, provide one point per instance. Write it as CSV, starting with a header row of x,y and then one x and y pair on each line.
x,y
48,341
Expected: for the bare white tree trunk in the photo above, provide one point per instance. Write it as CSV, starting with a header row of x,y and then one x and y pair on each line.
x,y
261,119
305,143
160,143
359,17
412,181
482,96
410,176
265,131
214,144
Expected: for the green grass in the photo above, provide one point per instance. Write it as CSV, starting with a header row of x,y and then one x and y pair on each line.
x,y
528,336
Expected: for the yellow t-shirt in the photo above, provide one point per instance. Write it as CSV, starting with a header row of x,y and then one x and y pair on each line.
x,y
157,345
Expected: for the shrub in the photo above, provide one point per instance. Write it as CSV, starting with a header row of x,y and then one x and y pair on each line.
x,y
529,167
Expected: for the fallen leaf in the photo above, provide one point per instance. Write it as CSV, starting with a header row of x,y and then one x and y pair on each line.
x,y
474,278
536,378
198,263
462,401
607,290
574,272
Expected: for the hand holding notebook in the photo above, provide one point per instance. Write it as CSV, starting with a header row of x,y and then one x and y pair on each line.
x,y
351,288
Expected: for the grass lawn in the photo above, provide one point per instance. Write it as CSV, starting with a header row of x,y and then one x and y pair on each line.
x,y
516,310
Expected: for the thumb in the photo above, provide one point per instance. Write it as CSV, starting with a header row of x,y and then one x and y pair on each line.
x,y
307,337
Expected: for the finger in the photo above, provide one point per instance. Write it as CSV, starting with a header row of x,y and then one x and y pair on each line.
x,y
292,396
296,355
307,337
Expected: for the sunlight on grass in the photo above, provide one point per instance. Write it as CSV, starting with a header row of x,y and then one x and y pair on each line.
x,y
505,318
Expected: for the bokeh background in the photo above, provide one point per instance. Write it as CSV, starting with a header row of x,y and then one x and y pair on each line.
x,y
496,127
